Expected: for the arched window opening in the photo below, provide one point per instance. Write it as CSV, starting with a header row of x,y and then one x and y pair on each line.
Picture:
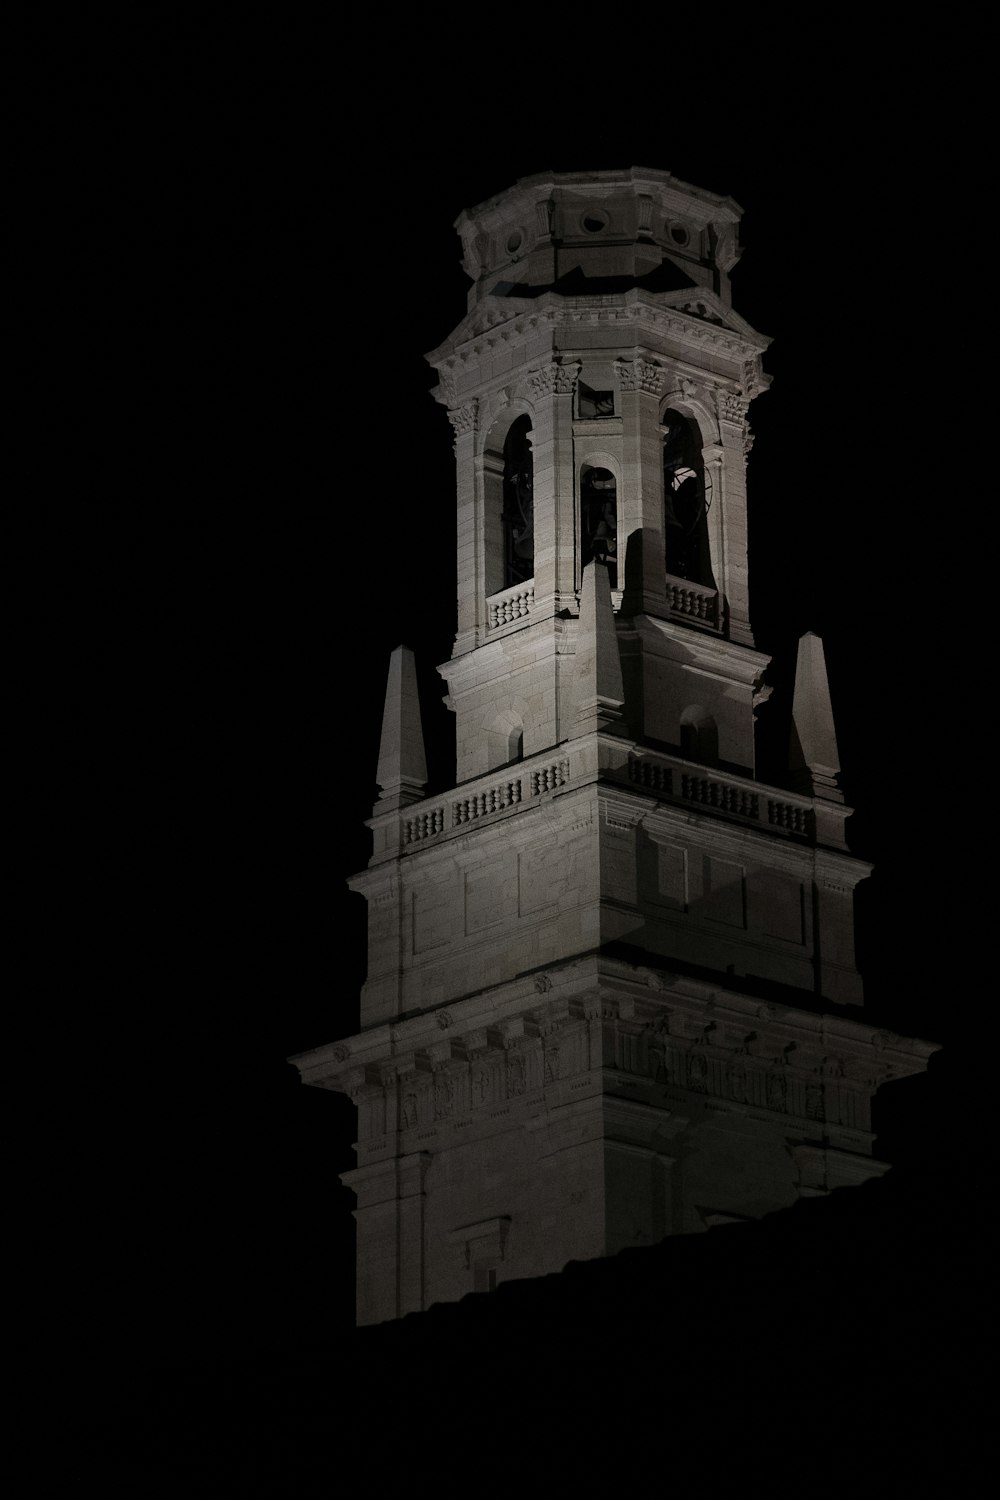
x,y
505,741
686,501
599,520
699,736
518,505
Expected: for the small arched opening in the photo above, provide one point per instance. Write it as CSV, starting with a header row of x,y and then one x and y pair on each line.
x,y
599,520
518,518
505,740
686,500
699,736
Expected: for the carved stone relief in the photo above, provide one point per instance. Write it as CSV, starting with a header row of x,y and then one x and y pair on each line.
x,y
465,418
641,375
554,380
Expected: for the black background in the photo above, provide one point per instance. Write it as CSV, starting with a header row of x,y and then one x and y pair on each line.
x,y
261,509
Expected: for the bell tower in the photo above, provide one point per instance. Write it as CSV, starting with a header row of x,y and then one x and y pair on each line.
x,y
612,991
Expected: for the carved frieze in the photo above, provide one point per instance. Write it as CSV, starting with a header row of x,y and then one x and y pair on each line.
x,y
516,1076
814,1101
551,1062
697,1072
408,1109
777,1089
445,1094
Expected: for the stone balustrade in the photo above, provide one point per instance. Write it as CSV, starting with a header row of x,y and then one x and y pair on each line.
x,y
668,776
693,603
681,781
486,797
510,605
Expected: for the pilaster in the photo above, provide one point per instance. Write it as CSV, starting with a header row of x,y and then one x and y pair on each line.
x,y
732,411
469,527
552,388
641,543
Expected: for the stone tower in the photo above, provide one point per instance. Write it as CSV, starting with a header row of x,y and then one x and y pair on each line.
x,y
611,989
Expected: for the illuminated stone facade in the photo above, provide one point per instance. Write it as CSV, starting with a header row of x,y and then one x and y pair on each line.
x,y
611,991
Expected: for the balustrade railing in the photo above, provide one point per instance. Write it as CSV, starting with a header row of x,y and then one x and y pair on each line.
x,y
691,602
675,779
679,781
512,604
485,799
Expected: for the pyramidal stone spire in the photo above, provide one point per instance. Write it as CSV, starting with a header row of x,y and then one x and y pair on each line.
x,y
402,763
599,690
812,751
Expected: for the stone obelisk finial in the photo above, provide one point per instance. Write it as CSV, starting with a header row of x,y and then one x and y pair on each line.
x,y
812,751
402,763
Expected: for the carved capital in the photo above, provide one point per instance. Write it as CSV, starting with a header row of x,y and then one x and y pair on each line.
x,y
554,380
732,407
641,375
465,418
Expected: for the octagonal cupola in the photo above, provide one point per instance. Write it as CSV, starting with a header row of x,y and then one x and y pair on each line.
x,y
576,232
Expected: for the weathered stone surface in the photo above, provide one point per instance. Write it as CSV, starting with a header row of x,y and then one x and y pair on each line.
x,y
609,971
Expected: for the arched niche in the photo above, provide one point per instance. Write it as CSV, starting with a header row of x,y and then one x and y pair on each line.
x,y
699,735
508,495
505,740
687,499
598,516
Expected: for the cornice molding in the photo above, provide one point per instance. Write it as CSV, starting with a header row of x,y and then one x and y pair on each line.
x,y
503,319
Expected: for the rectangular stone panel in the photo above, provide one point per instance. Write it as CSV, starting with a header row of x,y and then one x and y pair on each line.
x,y
724,895
491,893
433,914
671,866
538,882
777,906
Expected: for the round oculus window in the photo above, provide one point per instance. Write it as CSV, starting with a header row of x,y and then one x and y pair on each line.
x,y
679,234
594,220
514,242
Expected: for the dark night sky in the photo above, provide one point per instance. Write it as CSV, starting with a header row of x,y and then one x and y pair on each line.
x,y
267,511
